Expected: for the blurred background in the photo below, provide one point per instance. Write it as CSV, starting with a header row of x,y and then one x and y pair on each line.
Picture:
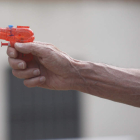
x,y
105,31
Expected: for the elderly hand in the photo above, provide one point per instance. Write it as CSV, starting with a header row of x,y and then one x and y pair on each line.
x,y
50,68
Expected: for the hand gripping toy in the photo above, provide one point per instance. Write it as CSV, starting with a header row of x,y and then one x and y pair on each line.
x,y
22,34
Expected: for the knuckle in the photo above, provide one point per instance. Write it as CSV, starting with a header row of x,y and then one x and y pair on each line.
x,y
13,72
12,62
9,60
16,74
10,50
33,48
32,45
7,51
25,83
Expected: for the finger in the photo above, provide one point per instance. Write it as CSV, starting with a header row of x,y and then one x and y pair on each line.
x,y
34,82
48,44
11,52
26,74
17,63
36,49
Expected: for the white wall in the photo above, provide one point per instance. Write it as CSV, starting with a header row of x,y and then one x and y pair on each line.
x,y
107,32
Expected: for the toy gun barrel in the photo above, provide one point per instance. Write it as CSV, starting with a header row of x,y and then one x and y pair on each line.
x,y
4,44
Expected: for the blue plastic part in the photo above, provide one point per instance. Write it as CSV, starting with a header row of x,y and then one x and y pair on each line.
x,y
10,26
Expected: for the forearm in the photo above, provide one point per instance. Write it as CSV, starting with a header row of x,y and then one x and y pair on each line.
x,y
117,84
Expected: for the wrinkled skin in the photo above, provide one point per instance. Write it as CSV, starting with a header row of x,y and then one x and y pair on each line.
x,y
54,69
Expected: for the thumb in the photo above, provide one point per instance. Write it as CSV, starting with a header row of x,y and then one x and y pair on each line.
x,y
33,48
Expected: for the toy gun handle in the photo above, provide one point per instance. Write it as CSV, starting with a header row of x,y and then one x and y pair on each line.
x,y
25,57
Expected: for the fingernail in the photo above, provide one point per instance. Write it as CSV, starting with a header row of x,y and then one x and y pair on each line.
x,y
42,79
12,54
36,72
21,65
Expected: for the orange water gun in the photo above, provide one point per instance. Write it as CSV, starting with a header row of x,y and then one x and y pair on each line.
x,y
22,34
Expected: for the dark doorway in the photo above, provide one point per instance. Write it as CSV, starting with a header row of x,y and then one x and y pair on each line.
x,y
36,113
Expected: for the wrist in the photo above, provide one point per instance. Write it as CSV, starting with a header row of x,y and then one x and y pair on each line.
x,y
79,81
87,75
